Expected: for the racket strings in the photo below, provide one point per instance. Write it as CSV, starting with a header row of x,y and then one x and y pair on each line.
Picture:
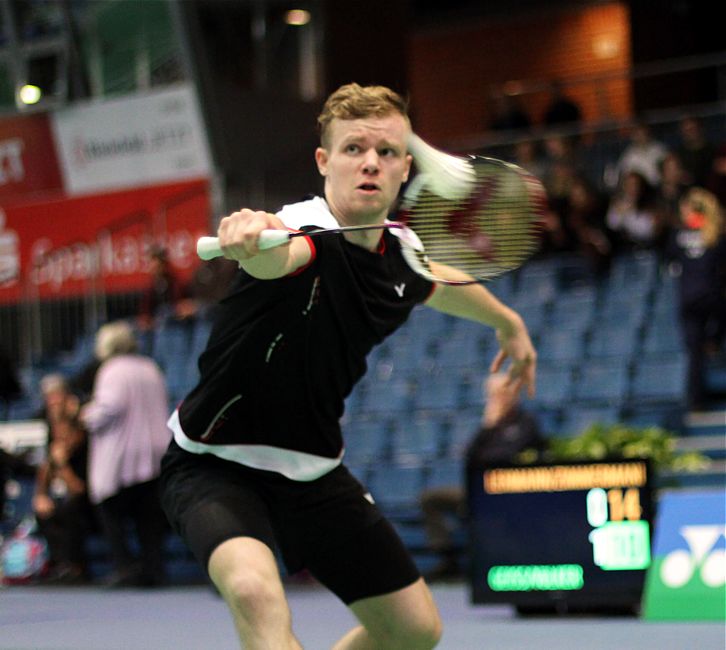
x,y
491,231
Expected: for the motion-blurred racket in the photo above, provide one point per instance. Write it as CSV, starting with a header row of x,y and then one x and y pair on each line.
x,y
461,220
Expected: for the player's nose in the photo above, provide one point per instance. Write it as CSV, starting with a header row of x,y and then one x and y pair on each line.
x,y
371,162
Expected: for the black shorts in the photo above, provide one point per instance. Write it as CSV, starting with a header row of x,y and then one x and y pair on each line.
x,y
327,526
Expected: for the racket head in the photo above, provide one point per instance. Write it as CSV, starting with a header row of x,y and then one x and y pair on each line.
x,y
491,230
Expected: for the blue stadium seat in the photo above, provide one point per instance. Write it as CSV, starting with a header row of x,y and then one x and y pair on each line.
x,y
446,471
419,437
602,382
663,337
366,439
460,433
563,347
660,379
396,489
438,391
554,386
394,395
573,310
619,342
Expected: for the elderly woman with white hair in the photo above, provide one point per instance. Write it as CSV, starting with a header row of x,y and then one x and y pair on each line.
x,y
126,420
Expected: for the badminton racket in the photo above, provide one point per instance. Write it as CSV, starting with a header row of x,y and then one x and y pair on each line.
x,y
461,219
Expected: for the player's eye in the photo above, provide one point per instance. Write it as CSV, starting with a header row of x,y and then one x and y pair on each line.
x,y
388,152
352,148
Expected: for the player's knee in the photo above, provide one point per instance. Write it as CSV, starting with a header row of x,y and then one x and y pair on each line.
x,y
421,633
427,634
249,594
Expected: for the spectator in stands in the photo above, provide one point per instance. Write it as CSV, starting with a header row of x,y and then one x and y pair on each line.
x,y
59,401
126,420
699,249
529,157
505,431
673,185
632,218
583,219
643,155
60,502
561,109
209,284
717,178
695,151
161,298
507,113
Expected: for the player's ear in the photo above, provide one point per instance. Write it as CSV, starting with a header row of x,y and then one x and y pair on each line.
x,y
409,160
321,159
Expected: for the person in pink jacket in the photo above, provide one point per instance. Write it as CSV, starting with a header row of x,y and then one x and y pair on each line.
x,y
126,420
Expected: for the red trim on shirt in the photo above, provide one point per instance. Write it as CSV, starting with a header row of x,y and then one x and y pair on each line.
x,y
313,254
381,245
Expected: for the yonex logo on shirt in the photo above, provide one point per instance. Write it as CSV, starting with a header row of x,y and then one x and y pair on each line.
x,y
400,289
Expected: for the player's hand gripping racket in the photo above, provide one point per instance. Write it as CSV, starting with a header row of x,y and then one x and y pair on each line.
x,y
480,216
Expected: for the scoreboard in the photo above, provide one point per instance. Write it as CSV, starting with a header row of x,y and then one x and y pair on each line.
x,y
560,537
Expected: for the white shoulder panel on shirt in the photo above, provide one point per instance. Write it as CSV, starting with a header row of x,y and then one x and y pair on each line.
x,y
313,212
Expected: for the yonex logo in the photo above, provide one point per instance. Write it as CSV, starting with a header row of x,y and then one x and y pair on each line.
x,y
400,289
679,566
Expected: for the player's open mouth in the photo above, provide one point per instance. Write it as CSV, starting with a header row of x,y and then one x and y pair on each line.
x,y
368,187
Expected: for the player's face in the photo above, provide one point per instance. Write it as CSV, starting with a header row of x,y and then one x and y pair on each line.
x,y
364,165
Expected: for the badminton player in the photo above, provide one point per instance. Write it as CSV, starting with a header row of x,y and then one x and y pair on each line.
x,y
255,471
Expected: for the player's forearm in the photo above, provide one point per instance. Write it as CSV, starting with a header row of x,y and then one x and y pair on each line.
x,y
475,302
278,262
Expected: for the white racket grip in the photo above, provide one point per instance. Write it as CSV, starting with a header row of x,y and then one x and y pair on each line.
x,y
208,247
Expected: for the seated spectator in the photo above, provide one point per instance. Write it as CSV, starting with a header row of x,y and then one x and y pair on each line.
x,y
209,284
159,301
506,430
673,185
529,157
717,177
507,113
695,152
561,109
60,502
59,401
698,247
632,218
643,155
583,218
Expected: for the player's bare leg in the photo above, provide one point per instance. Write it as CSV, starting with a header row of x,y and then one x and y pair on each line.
x,y
403,620
245,572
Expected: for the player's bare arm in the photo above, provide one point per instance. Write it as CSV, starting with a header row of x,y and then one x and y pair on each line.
x,y
475,302
238,238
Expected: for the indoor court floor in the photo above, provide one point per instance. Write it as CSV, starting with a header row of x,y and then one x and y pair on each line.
x,y
194,618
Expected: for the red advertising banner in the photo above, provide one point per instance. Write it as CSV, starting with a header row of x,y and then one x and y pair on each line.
x,y
28,161
66,247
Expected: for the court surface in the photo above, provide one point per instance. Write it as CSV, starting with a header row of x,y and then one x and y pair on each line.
x,y
194,618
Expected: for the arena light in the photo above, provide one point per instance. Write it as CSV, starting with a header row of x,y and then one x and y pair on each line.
x,y
30,94
297,17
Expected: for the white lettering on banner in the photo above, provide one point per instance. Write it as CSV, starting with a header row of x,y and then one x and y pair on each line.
x,y
109,256
139,140
12,169
161,140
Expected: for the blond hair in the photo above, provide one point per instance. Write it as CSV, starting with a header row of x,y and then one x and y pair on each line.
x,y
352,102
114,338
706,203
